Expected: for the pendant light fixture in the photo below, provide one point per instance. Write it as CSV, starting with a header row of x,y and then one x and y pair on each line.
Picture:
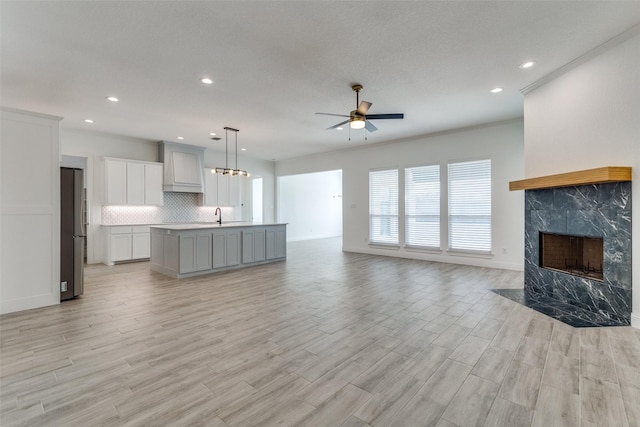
x,y
226,170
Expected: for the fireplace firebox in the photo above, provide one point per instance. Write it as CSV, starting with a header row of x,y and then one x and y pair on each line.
x,y
577,255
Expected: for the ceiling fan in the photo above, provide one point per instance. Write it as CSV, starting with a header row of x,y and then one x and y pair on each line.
x,y
358,118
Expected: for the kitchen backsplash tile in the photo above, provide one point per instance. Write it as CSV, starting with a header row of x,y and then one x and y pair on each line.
x,y
178,207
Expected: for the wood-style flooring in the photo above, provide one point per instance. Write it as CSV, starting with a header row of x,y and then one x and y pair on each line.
x,y
324,339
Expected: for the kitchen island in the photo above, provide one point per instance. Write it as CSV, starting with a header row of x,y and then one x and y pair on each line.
x,y
185,250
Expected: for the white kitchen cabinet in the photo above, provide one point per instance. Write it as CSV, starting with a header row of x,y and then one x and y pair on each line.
x,y
140,245
153,194
226,248
195,251
276,242
135,183
126,243
253,245
129,182
234,190
221,190
210,195
115,182
120,247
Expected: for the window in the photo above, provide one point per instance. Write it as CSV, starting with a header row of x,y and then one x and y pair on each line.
x,y
470,206
383,206
422,206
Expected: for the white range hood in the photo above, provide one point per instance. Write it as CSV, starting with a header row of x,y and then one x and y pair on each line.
x,y
183,167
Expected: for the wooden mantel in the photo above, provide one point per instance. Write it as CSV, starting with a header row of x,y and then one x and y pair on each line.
x,y
584,177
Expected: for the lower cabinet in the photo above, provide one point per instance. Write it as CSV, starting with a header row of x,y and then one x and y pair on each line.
x,y
276,242
182,253
253,245
226,248
126,243
195,251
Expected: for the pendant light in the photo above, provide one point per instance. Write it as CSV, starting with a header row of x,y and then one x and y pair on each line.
x,y
226,170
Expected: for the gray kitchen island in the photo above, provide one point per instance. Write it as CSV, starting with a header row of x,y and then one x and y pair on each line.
x,y
185,250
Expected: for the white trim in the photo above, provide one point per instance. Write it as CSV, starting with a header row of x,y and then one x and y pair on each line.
x,y
635,320
424,256
31,302
386,246
598,50
30,113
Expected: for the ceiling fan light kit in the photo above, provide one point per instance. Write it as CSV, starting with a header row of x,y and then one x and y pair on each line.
x,y
357,122
358,118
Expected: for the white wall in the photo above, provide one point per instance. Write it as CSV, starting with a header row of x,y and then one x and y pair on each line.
x,y
311,205
29,211
94,146
589,117
502,142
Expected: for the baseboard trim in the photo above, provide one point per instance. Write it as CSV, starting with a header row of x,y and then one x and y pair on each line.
x,y
28,303
635,320
426,256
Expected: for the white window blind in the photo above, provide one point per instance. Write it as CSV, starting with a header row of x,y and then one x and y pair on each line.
x,y
470,206
422,206
383,206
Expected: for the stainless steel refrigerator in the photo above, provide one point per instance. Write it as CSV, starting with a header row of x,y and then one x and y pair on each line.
x,y
72,233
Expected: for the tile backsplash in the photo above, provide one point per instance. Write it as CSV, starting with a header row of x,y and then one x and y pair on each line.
x,y
178,207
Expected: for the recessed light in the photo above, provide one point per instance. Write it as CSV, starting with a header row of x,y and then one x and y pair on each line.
x,y
88,121
212,133
496,90
527,64
206,80
243,149
180,137
340,128
112,99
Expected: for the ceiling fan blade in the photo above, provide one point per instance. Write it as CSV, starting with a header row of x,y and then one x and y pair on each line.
x,y
332,114
338,125
363,107
369,126
385,116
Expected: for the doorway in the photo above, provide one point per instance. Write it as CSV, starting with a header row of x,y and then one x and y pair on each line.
x,y
311,205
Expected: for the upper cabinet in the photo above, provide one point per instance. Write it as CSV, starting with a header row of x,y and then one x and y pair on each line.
x,y
221,190
130,182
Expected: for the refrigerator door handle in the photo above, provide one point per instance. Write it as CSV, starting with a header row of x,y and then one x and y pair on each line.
x,y
78,265
78,202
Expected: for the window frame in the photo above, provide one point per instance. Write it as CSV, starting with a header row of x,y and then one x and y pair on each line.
x,y
396,207
451,223
407,216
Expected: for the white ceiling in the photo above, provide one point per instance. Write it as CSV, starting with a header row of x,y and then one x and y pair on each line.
x,y
277,63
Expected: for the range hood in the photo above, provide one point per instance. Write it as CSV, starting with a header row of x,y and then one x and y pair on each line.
x,y
183,167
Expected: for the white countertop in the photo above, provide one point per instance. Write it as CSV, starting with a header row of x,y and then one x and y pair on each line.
x,y
201,225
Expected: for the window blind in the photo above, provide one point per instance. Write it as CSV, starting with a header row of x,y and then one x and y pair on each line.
x,y
383,206
422,206
470,205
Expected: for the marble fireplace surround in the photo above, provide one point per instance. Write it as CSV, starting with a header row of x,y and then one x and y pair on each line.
x,y
595,202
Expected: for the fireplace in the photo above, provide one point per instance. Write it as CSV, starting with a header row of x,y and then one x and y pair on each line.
x,y
580,256
577,263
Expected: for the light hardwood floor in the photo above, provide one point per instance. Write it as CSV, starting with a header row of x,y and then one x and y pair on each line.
x,y
324,339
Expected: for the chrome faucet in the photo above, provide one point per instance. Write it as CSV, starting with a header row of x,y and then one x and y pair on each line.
x,y
218,211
